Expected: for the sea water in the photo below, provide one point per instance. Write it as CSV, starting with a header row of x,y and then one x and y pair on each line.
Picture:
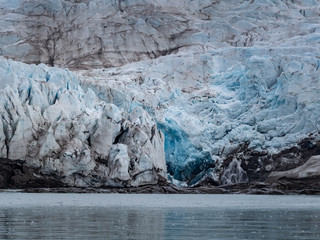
x,y
158,216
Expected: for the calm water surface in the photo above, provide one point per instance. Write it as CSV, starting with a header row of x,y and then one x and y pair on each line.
x,y
117,216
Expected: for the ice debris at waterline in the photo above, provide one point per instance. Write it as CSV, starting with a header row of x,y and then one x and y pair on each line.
x,y
233,86
59,130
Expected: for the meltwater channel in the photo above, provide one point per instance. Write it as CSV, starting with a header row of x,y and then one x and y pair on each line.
x,y
158,216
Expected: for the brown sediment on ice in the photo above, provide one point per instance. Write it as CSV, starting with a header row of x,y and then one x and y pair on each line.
x,y
304,179
308,186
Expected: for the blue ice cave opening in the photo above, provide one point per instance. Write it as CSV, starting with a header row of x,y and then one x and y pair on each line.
x,y
185,161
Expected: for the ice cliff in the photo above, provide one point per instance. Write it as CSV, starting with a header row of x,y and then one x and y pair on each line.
x,y
216,108
62,131
233,86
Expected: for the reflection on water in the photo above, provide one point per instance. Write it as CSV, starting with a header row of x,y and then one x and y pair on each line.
x,y
80,223
157,223
247,224
220,217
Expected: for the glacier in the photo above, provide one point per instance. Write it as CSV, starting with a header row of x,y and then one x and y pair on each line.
x,y
59,130
261,105
199,92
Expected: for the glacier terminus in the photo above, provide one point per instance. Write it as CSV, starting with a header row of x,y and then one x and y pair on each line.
x,y
128,93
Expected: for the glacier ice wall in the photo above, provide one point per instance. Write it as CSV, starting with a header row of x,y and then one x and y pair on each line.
x,y
96,33
248,104
233,85
58,129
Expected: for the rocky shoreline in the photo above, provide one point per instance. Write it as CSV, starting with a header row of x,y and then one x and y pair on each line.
x,y
304,179
285,186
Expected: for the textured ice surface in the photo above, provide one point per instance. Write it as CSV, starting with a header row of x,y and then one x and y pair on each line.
x,y
51,123
232,85
99,33
210,105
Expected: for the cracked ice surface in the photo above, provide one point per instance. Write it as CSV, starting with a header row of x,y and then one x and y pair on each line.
x,y
231,84
209,104
51,123
95,33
